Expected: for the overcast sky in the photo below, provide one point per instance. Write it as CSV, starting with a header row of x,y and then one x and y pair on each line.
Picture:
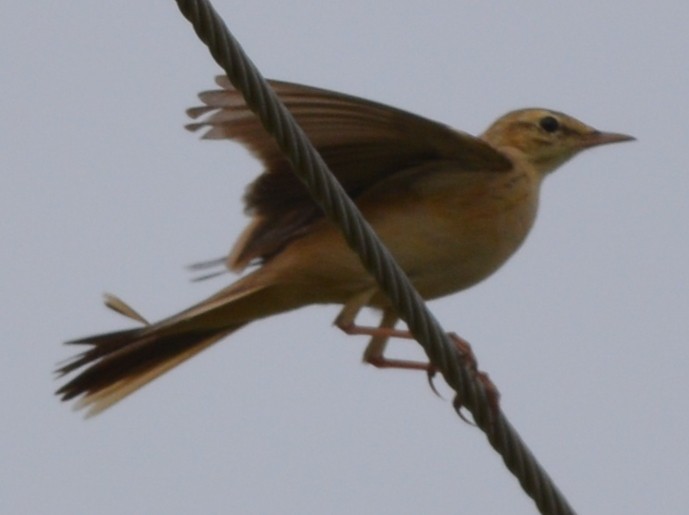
x,y
585,331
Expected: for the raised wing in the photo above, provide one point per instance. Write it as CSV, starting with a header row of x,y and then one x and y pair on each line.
x,y
362,142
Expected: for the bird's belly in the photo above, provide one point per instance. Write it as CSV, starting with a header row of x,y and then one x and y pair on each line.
x,y
446,237
449,244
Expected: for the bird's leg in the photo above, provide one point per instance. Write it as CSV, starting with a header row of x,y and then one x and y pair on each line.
x,y
374,353
380,331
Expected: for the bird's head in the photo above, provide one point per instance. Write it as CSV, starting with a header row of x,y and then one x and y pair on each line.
x,y
545,138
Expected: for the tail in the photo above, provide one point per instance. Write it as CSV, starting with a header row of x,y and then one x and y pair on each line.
x,y
119,363
122,362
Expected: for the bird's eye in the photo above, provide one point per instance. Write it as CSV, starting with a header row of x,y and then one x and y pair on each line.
x,y
549,124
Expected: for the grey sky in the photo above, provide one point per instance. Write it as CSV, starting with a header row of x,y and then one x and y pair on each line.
x,y
584,330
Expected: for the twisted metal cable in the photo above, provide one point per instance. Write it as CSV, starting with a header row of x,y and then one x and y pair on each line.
x,y
327,192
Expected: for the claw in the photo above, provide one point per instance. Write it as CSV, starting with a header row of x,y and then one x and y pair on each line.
x,y
430,374
458,404
469,359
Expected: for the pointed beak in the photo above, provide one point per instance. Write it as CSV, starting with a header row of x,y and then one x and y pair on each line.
x,y
596,138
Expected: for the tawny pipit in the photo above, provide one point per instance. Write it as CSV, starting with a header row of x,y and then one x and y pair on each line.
x,y
451,207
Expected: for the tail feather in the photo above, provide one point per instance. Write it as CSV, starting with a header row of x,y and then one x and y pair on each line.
x,y
124,361
119,363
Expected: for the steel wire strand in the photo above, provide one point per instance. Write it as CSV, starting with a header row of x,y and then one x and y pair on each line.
x,y
326,191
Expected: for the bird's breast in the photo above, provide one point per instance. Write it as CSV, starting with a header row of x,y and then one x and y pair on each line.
x,y
452,230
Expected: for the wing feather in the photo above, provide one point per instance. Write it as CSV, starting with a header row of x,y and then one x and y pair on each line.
x,y
363,143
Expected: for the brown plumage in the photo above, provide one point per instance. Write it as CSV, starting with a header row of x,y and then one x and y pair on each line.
x,y
451,208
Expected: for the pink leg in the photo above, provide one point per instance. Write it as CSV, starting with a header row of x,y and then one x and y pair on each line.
x,y
374,353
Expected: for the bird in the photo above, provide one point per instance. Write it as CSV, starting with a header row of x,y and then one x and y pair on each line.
x,y
450,207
